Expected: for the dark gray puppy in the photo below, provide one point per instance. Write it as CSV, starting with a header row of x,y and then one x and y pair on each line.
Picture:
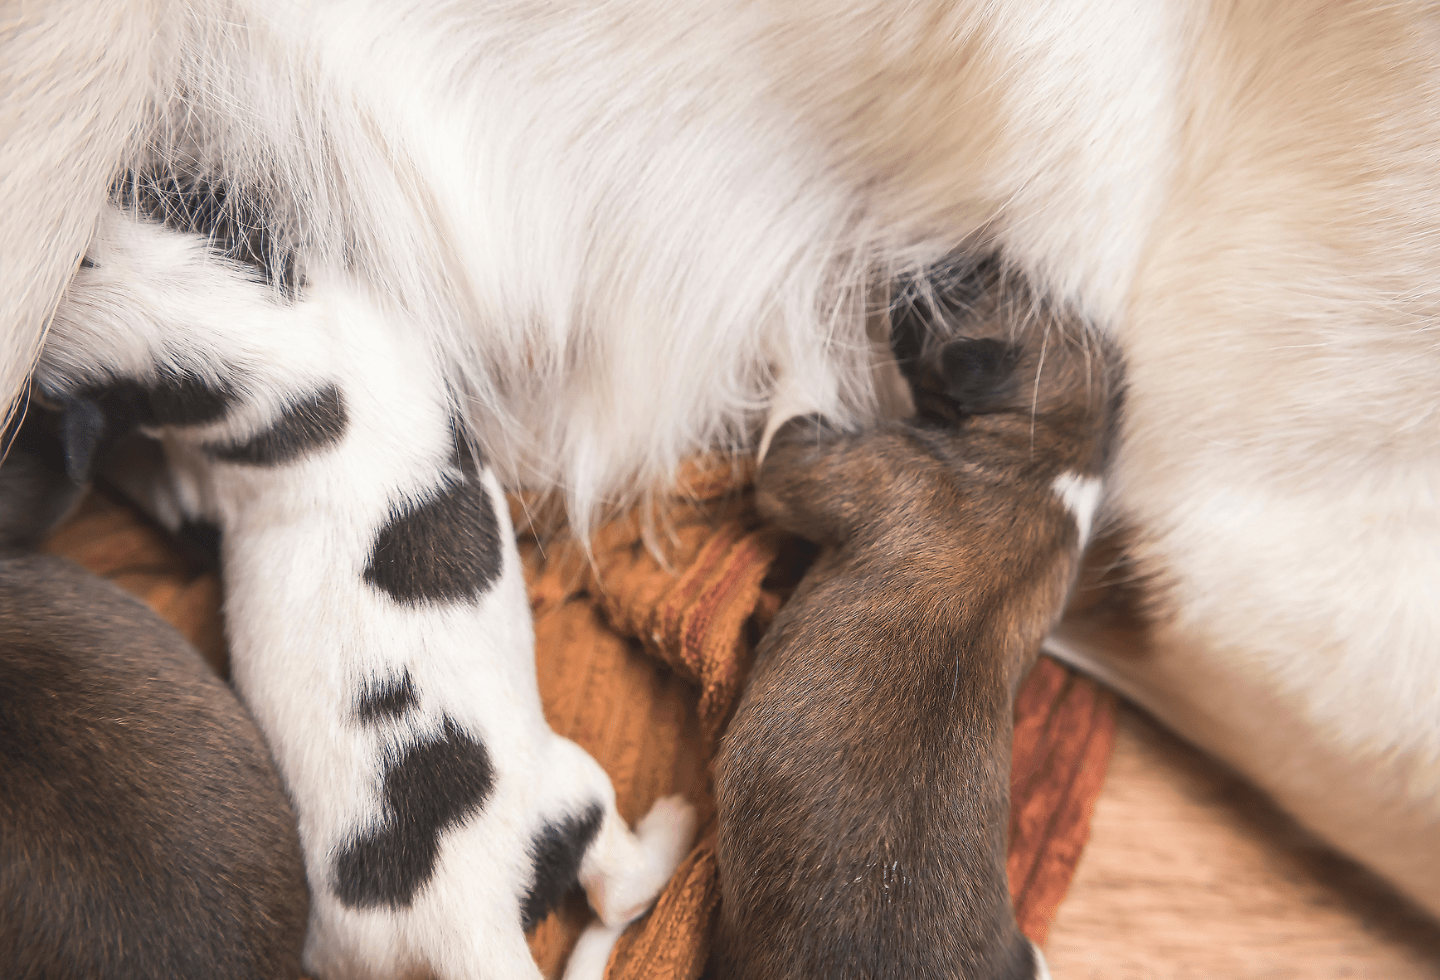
x,y
143,830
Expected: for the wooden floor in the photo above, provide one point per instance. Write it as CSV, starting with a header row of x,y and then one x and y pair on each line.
x,y
1192,874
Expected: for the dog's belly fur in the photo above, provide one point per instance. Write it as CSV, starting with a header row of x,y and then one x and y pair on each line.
x,y
618,226
1278,466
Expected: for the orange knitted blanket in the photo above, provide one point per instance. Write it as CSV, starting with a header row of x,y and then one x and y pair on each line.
x,y
640,661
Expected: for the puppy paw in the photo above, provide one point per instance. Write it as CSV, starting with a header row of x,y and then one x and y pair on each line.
x,y
667,831
625,872
591,955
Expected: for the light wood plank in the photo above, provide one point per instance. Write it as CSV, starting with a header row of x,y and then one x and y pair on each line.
x,y
1190,873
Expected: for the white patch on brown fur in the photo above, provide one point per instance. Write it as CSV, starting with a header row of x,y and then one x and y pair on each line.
x,y
1081,496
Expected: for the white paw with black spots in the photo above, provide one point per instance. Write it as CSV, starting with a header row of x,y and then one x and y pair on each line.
x,y
555,856
624,879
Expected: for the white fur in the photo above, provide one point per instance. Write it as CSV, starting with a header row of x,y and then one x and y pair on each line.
x,y
307,633
592,952
1081,496
613,225
1042,968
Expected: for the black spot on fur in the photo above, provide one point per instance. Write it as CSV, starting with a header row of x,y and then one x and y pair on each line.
x,y
446,549
93,419
238,225
305,426
85,262
184,399
556,853
390,697
173,398
435,786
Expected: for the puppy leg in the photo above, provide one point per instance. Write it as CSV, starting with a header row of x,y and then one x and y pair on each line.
x,y
622,872
627,871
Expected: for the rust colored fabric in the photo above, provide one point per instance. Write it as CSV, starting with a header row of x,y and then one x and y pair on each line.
x,y
1064,731
640,661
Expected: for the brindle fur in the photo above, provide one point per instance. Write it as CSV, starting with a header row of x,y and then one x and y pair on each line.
x,y
864,782
143,829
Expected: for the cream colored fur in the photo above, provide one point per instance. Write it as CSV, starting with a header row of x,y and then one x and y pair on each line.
x,y
76,83
621,223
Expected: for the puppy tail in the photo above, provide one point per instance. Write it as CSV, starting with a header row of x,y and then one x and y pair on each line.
x,y
80,82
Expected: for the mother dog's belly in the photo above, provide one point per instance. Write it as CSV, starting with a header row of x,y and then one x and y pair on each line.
x,y
1279,461
1297,637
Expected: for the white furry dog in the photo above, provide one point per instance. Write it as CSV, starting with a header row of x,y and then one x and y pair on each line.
x,y
624,231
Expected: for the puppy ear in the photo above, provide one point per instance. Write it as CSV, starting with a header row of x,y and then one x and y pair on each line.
x,y
35,493
92,421
977,373
82,430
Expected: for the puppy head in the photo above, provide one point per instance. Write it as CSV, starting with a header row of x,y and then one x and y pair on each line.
x,y
975,340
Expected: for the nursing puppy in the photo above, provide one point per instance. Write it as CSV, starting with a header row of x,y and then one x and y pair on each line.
x,y
626,231
863,784
143,830
375,604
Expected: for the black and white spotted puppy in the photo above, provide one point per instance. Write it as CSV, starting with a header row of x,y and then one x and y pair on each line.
x,y
376,610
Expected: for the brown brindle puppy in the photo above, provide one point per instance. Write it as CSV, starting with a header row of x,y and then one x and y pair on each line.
x,y
864,782
144,832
